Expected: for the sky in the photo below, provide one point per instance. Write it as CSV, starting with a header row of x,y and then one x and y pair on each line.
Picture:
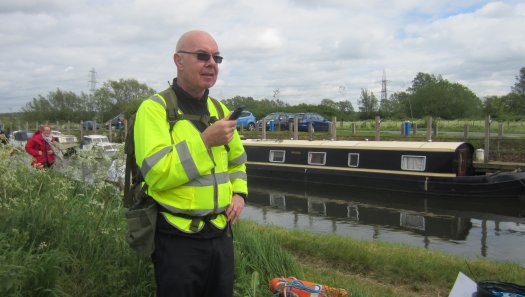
x,y
299,51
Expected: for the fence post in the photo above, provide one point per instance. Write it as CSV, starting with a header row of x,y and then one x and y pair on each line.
x,y
333,128
310,131
402,127
465,132
81,130
354,130
500,138
487,139
429,128
264,129
414,131
110,133
295,128
378,128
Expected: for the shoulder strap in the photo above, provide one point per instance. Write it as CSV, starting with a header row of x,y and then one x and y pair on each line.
x,y
172,107
218,107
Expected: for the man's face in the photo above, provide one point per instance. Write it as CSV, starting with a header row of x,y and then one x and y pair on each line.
x,y
194,74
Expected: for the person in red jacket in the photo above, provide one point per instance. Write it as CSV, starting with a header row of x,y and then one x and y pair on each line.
x,y
39,146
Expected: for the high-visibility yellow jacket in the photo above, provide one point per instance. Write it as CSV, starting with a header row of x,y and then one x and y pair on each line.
x,y
182,174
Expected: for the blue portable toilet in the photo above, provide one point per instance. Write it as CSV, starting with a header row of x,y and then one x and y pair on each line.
x,y
407,128
272,125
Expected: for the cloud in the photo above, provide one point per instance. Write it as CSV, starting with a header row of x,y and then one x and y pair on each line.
x,y
309,50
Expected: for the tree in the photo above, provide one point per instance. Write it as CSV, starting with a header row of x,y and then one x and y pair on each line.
x,y
329,102
400,105
519,86
431,95
368,104
423,79
493,106
345,107
57,105
112,98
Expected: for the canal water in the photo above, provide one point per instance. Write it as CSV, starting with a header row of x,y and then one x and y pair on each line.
x,y
494,230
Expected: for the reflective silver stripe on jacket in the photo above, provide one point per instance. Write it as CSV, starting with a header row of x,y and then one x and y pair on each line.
x,y
240,175
186,160
193,213
209,180
239,160
150,161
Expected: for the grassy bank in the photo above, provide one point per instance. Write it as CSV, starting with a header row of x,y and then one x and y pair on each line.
x,y
61,237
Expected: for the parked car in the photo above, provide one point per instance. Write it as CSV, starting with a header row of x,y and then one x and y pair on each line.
x,y
247,120
18,139
88,125
98,143
66,143
319,123
280,119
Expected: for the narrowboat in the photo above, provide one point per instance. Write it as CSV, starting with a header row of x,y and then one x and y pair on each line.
x,y
433,168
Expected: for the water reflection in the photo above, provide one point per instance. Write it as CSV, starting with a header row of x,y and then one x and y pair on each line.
x,y
472,228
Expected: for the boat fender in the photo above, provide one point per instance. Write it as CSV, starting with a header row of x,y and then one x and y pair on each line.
x,y
292,287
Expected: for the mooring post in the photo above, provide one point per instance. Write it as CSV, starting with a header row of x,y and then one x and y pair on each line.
x,y
487,139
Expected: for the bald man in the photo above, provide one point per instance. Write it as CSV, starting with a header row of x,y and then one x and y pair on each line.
x,y
196,174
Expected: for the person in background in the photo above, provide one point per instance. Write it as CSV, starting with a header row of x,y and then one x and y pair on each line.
x,y
39,146
197,172
3,137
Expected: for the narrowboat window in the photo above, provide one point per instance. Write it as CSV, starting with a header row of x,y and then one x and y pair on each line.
x,y
316,158
277,156
353,160
414,163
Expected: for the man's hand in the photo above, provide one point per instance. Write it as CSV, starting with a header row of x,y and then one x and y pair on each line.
x,y
219,133
233,212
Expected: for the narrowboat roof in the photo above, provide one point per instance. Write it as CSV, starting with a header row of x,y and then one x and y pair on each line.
x,y
363,145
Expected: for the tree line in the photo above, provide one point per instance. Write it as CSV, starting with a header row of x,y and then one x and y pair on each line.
x,y
429,94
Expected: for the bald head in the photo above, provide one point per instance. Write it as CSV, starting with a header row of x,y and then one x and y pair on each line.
x,y
194,38
196,74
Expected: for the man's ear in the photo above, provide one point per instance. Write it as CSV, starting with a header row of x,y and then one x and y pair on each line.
x,y
178,60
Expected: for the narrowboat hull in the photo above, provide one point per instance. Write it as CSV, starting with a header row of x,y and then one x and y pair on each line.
x,y
380,167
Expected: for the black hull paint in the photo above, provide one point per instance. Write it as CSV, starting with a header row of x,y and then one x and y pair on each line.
x,y
501,185
475,186
446,168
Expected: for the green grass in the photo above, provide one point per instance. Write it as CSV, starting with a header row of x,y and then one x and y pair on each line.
x,y
61,237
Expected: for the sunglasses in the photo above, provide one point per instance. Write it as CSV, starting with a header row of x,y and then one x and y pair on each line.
x,y
204,56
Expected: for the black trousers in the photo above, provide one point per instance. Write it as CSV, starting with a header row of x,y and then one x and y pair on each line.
x,y
193,267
